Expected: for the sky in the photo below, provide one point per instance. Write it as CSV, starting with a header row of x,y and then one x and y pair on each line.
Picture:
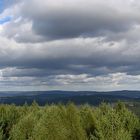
x,y
69,45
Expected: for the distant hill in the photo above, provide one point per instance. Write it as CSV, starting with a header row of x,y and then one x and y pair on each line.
x,y
78,97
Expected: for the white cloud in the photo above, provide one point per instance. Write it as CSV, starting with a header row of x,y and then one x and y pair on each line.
x,y
73,44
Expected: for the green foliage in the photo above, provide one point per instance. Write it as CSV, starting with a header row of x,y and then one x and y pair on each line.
x,y
68,122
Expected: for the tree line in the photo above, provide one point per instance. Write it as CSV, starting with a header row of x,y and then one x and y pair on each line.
x,y
68,122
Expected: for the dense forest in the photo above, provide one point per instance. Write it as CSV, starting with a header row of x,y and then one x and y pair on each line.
x,y
68,122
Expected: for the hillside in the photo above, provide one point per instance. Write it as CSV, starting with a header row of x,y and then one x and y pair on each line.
x,y
78,97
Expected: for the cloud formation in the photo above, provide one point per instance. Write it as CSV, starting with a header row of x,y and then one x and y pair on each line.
x,y
70,45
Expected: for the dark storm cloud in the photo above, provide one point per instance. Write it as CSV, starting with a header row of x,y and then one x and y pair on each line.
x,y
88,19
69,57
74,25
70,19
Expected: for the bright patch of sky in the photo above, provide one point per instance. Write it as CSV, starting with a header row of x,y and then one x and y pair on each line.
x,y
5,19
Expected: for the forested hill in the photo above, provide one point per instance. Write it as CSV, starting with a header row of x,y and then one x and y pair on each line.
x,y
78,97
68,122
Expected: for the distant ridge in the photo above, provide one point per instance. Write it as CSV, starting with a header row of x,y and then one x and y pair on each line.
x,y
78,97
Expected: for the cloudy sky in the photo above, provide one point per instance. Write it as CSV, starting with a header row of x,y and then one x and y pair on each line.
x,y
69,45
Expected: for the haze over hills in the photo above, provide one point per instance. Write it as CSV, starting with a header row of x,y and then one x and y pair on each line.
x,y
78,97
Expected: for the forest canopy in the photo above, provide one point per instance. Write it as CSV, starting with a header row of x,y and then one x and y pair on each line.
x,y
68,122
